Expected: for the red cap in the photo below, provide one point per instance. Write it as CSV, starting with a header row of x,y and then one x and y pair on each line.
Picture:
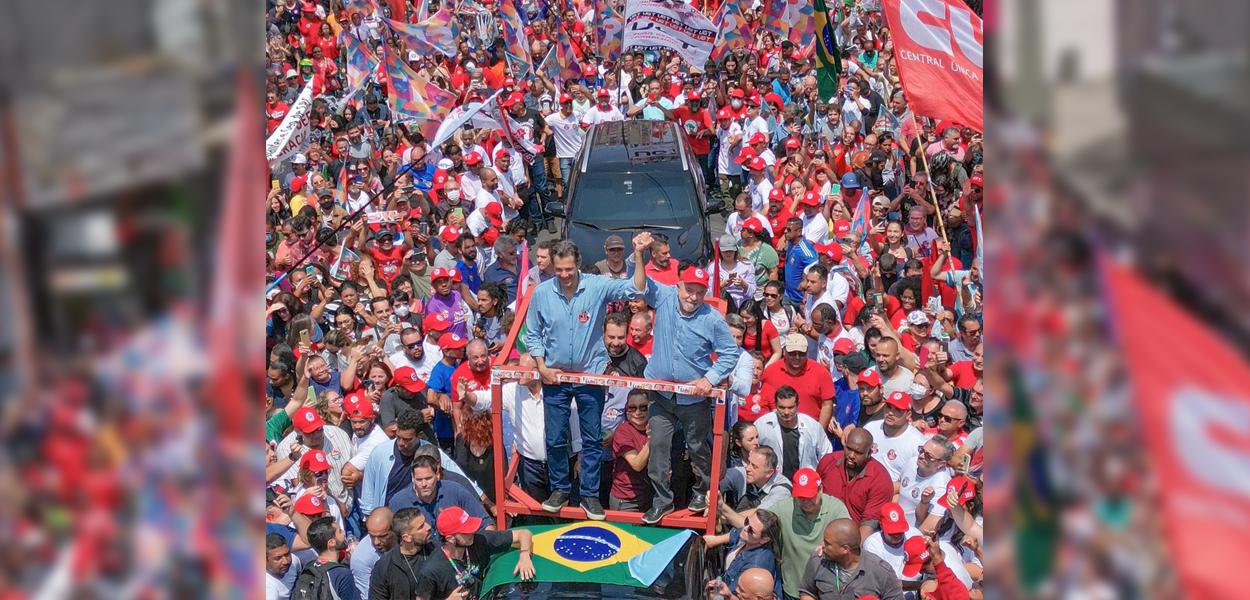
x,y
757,138
963,487
977,180
490,235
439,273
754,100
841,227
892,521
509,82
777,194
310,505
793,143
834,252
566,98
806,483
810,198
870,376
589,71
452,341
314,460
406,377
449,234
746,154
602,93
753,225
737,93
454,520
724,113
693,96
455,275
307,420
472,158
494,209
757,164
843,345
694,275
513,99
436,322
917,551
899,400
357,406
414,214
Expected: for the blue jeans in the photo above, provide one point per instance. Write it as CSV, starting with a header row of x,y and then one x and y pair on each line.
x,y
538,182
557,400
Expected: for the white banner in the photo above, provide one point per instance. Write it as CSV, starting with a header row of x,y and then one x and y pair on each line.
x,y
656,24
292,135
469,113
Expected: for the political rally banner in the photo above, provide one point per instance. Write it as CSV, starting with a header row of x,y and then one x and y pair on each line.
x,y
1193,408
660,24
383,217
294,132
462,115
938,47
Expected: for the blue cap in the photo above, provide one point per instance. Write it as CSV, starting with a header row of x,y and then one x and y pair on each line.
x,y
850,180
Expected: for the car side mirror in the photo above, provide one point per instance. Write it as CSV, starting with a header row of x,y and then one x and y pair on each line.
x,y
555,209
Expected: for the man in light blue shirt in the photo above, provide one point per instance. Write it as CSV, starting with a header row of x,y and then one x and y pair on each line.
x,y
687,333
564,332
653,106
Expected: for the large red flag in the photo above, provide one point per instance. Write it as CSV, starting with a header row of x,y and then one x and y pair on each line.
x,y
1193,396
938,44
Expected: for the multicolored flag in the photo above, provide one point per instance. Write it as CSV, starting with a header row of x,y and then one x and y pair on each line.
x,y
340,186
828,61
360,62
437,33
735,30
412,98
609,28
859,220
550,66
516,46
774,11
799,18
566,57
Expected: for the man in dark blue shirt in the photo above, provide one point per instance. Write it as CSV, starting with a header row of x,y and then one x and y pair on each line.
x,y
504,270
327,540
799,254
467,265
431,494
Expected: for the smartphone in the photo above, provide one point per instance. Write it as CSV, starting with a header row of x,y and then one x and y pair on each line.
x,y
923,357
877,299
274,184
423,227
964,464
303,336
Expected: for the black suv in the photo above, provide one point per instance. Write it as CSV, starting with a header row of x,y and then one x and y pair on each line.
x,y
635,176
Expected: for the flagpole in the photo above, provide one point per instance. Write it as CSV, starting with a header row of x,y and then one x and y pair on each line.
x,y
932,193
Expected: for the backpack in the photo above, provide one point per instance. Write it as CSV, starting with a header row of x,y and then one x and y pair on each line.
x,y
313,583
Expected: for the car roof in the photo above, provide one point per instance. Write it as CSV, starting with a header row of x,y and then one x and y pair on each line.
x,y
632,146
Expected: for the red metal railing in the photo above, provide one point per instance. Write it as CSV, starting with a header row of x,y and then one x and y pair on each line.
x,y
511,500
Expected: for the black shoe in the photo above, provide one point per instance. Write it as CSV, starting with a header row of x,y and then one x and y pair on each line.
x,y
558,499
594,510
654,515
698,503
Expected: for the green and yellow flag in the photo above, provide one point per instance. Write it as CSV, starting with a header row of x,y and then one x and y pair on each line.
x,y
828,62
589,551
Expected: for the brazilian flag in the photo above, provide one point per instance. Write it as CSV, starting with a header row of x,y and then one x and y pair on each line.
x,y
590,551
828,62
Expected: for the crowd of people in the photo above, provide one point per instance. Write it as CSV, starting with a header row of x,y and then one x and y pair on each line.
x,y
849,346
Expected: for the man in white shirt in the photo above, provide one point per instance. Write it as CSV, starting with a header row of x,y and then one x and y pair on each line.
x,y
759,143
924,482
798,439
888,545
567,130
759,186
815,225
310,431
281,567
524,431
470,180
365,435
602,111
894,441
729,135
743,211
755,124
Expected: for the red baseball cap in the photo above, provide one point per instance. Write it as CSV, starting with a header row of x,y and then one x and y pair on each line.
x,y
406,377
449,234
589,71
513,99
964,488
490,235
977,180
439,273
452,341
472,158
793,143
694,275
566,98
843,345
454,520
737,93
892,521
314,460
753,225
834,252
744,155
602,93
493,209
754,100
899,400
436,322
693,96
870,376
810,198
757,138
757,164
310,505
455,275
724,114
777,194
917,552
841,227
509,82
806,483
307,420
414,214
357,406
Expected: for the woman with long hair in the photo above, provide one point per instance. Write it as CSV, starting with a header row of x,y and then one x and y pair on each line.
x,y
759,333
743,438
474,449
756,544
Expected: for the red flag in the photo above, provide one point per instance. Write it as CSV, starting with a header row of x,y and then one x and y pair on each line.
x,y
938,45
1193,396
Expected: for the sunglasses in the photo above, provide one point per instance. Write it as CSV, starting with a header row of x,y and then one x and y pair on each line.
x,y
925,456
768,295
749,529
413,346
949,418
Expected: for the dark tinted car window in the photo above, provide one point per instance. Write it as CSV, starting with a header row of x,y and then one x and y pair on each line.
x,y
630,199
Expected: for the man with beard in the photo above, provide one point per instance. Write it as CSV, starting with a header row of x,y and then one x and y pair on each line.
x,y
365,435
470,378
692,331
856,478
662,268
281,568
457,572
868,382
389,468
810,379
328,541
394,576
408,392
366,555
623,361
467,265
894,439
413,354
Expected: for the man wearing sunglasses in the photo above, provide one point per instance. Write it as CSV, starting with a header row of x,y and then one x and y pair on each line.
x,y
961,347
951,421
311,432
925,476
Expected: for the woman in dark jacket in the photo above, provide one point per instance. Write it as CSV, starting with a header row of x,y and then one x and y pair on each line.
x,y
756,544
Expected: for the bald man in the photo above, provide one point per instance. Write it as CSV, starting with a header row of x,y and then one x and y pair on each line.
x,y
366,555
860,481
841,571
756,583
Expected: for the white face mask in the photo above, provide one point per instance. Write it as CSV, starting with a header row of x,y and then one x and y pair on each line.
x,y
401,311
453,195
736,103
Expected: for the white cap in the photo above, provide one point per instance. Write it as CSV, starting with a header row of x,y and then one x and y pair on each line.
x,y
413,56
291,73
917,317
299,159
445,164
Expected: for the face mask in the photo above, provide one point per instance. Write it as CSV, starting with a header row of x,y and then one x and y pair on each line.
x,y
401,311
454,195
736,103
653,97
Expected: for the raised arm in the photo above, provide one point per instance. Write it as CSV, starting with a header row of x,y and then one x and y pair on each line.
x,y
642,241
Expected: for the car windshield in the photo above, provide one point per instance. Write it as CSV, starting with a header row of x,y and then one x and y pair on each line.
x,y
632,199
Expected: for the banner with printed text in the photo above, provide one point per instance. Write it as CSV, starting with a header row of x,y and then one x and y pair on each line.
x,y
938,46
293,134
658,24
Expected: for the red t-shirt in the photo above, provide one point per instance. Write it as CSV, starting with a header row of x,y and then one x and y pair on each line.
x,y
964,375
477,381
768,332
274,113
667,276
756,404
814,384
627,483
691,122
643,349
387,264
865,494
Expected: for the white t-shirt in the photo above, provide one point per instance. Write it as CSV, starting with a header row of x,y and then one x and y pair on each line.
x,y
357,200
759,195
568,133
896,453
470,186
733,224
724,157
780,320
896,558
280,589
597,115
363,446
424,367
913,485
815,228
758,124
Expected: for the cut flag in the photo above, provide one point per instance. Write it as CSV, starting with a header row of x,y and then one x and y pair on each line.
x,y
437,33
734,29
516,46
938,44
